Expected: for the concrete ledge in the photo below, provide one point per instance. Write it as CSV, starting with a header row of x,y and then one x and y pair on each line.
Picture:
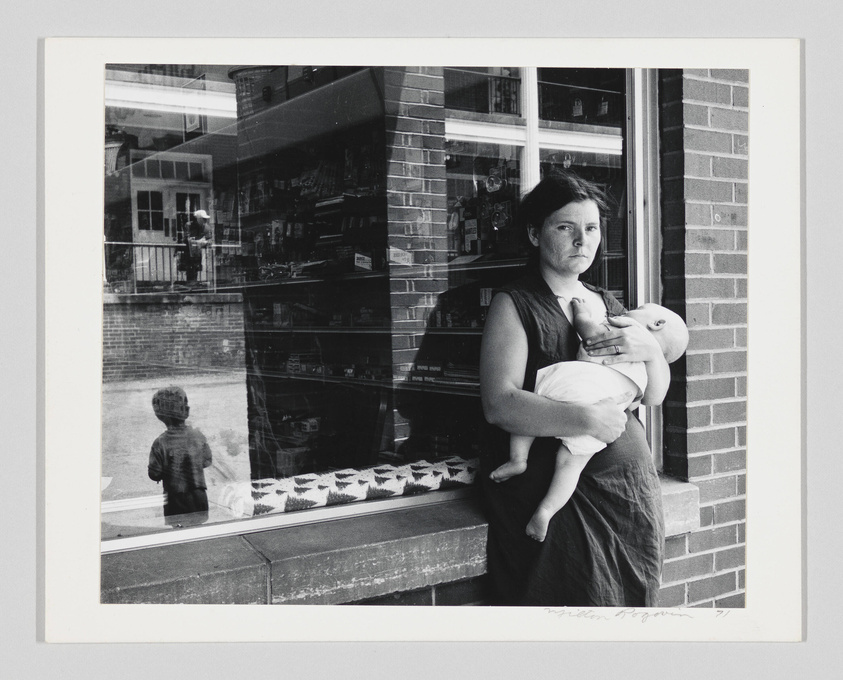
x,y
421,555
219,571
681,503
366,557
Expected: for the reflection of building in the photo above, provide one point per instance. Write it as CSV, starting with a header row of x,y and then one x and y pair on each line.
x,y
160,169
368,214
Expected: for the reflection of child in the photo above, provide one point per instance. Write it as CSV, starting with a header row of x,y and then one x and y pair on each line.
x,y
589,381
178,458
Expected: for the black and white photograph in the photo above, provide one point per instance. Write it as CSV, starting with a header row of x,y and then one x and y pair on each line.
x,y
332,313
359,292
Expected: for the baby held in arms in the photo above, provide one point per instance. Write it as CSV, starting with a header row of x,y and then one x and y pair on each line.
x,y
589,381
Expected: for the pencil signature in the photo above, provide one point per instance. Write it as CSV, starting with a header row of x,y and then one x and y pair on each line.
x,y
628,613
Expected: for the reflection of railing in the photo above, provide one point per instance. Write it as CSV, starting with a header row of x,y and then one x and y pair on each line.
x,y
133,267
572,104
468,90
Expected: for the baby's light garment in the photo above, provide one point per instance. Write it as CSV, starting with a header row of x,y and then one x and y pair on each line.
x,y
585,382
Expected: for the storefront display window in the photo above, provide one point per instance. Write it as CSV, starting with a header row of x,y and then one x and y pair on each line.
x,y
308,254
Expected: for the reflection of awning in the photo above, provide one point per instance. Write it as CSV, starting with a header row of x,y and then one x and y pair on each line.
x,y
165,99
609,142
351,101
575,140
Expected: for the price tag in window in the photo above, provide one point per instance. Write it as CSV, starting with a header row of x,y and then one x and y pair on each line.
x,y
362,261
398,256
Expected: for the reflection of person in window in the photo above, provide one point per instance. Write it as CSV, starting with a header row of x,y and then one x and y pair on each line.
x,y
197,235
179,457
605,547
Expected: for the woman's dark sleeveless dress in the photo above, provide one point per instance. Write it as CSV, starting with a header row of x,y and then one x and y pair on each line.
x,y
606,546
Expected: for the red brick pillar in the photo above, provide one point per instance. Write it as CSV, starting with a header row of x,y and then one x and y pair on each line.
x,y
704,142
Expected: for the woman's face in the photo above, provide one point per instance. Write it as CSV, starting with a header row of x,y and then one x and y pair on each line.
x,y
569,237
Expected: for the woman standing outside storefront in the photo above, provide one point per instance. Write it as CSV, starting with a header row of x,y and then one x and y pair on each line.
x,y
605,547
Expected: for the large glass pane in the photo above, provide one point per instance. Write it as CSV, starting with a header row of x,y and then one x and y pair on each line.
x,y
592,96
312,270
582,129
483,89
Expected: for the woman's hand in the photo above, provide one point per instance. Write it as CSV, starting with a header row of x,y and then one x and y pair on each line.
x,y
628,340
608,421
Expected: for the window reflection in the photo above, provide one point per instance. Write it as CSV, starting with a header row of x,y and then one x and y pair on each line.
x,y
329,341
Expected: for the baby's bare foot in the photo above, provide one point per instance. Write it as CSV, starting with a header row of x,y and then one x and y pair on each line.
x,y
508,470
537,526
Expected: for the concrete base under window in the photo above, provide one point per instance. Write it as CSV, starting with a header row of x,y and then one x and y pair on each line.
x,y
428,555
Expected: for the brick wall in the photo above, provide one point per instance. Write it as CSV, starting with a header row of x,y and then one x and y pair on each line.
x,y
146,336
414,99
704,144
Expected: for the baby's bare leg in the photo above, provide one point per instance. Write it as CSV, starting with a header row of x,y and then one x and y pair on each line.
x,y
562,487
519,451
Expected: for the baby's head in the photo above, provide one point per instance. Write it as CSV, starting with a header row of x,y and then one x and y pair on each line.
x,y
170,405
666,326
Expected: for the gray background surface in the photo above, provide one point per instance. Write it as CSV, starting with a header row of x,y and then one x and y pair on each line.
x,y
23,655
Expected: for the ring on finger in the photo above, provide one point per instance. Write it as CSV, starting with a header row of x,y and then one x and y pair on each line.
x,y
617,349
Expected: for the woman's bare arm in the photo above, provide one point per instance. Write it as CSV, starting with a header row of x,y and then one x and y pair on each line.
x,y
503,362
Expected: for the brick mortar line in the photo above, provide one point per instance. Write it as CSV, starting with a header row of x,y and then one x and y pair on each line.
x,y
404,192
722,475
712,428
707,102
715,327
717,225
714,225
698,579
717,275
711,376
716,105
722,501
395,145
712,551
717,178
729,155
728,204
703,402
707,128
424,164
406,116
733,523
693,605
696,603
713,452
712,79
703,454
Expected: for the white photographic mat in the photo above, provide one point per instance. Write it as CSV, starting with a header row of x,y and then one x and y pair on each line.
x,y
74,106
